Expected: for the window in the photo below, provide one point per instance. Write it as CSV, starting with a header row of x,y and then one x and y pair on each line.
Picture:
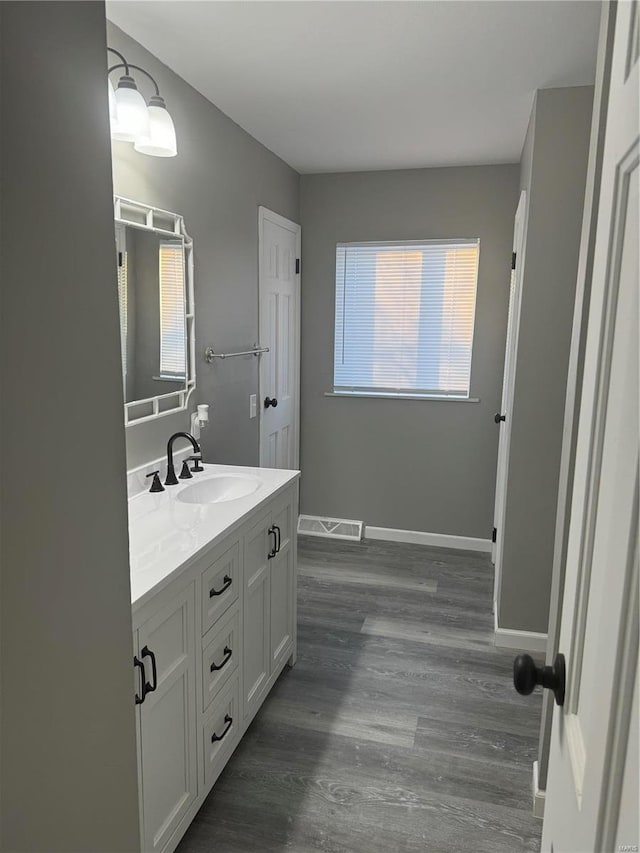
x,y
123,297
173,355
404,318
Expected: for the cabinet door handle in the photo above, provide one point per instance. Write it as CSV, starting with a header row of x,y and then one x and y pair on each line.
x,y
278,539
274,550
225,660
137,662
229,721
227,581
147,653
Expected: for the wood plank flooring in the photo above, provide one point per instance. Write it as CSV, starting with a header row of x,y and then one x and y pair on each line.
x,y
397,731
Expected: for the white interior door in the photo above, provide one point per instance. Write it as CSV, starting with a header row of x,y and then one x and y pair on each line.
x,y
279,287
508,381
592,788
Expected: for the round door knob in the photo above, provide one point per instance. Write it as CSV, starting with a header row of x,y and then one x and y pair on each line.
x,y
498,417
270,401
526,675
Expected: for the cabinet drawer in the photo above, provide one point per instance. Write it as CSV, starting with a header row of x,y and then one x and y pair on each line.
x,y
221,653
221,731
220,583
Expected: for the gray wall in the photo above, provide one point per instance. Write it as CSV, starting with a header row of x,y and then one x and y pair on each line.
x,y
553,172
526,159
219,178
418,465
68,779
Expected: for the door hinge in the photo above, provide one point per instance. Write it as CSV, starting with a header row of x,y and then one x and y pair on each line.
x,y
297,266
494,535
513,260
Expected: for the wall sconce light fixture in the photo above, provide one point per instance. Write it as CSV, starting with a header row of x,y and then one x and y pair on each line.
x,y
148,126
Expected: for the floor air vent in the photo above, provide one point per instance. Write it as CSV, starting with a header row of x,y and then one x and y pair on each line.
x,y
334,528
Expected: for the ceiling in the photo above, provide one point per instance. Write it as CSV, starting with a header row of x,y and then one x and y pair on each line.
x,y
352,86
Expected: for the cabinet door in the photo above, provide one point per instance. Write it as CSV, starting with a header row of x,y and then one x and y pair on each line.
x,y
168,719
257,546
282,582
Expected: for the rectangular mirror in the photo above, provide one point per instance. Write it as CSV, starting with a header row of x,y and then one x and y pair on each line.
x,y
155,296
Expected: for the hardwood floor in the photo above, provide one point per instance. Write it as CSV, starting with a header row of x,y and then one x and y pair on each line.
x,y
397,731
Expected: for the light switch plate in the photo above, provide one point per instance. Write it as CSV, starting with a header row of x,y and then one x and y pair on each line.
x,y
253,405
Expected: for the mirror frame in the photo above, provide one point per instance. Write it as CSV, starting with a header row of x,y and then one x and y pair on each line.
x,y
148,218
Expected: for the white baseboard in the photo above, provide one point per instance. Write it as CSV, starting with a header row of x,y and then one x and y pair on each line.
x,y
509,638
538,795
436,540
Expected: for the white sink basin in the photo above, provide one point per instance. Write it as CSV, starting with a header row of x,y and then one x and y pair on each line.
x,y
219,488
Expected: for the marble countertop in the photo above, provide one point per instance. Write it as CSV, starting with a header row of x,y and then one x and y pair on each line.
x,y
166,535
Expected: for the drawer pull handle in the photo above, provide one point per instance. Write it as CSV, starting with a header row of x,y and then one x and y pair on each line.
x,y
225,660
149,688
225,586
229,721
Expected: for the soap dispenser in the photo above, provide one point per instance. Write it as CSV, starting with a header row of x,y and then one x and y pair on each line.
x,y
199,419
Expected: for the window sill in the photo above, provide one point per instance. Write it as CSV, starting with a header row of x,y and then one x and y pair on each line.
x,y
420,397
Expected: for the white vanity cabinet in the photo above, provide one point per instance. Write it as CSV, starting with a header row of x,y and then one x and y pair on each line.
x,y
211,643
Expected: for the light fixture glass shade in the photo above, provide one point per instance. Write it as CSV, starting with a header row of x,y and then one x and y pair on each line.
x,y
113,109
161,139
133,118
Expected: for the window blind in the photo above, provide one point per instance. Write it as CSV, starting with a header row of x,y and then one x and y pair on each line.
x,y
173,348
123,298
404,317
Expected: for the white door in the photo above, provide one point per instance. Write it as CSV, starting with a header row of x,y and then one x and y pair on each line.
x,y
592,788
508,383
279,288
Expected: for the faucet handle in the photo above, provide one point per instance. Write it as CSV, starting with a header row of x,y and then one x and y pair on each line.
x,y
156,485
196,463
185,474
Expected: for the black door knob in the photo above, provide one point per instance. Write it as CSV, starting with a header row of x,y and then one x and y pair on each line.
x,y
270,401
526,675
498,417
